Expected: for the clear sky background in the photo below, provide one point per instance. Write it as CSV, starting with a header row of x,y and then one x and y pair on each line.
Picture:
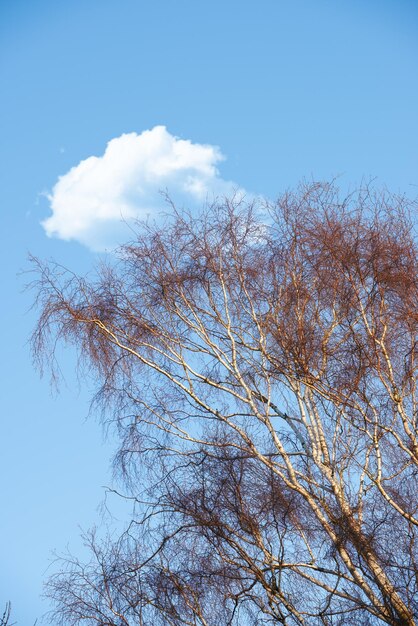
x,y
283,89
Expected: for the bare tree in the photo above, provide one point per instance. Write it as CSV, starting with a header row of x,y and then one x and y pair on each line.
x,y
5,617
261,371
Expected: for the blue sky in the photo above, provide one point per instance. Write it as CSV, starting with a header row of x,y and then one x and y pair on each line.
x,y
281,89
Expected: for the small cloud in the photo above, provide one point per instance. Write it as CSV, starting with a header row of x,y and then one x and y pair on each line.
x,y
95,200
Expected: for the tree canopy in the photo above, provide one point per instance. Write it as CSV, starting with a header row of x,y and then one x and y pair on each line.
x,y
260,365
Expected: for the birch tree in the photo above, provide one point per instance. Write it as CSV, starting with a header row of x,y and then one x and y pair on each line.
x,y
261,368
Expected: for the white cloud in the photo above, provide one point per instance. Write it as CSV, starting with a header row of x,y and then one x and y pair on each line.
x,y
95,199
